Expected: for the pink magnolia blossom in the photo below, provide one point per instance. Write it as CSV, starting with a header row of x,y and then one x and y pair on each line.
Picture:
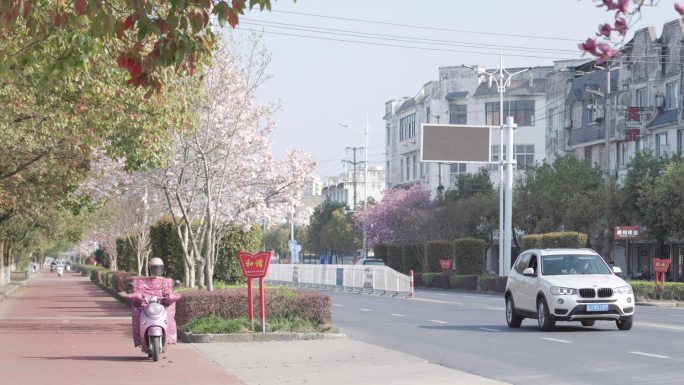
x,y
589,46
606,53
605,30
679,8
620,26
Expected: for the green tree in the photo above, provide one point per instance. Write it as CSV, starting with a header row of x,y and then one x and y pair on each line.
x,y
338,234
275,239
321,216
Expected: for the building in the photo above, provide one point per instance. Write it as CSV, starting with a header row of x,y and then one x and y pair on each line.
x,y
642,112
461,97
341,188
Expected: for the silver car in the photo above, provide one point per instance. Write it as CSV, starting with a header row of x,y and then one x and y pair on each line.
x,y
567,285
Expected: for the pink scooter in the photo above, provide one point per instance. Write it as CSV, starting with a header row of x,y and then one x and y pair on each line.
x,y
154,326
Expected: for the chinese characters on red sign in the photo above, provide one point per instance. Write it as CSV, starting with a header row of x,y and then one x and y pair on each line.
x,y
254,265
661,265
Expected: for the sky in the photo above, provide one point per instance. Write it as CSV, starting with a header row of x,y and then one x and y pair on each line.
x,y
338,61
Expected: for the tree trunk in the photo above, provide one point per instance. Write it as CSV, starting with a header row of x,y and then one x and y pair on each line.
x,y
2,262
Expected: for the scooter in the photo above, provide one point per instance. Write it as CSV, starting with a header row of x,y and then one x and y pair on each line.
x,y
60,271
154,326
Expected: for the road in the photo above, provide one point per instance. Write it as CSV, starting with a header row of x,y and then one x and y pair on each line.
x,y
468,332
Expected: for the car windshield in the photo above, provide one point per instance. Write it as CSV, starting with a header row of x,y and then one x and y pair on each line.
x,y
573,264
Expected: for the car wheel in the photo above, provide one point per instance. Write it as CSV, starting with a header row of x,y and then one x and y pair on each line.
x,y
545,320
624,324
512,318
588,322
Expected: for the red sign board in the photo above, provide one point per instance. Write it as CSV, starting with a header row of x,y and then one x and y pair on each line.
x,y
254,265
661,265
627,232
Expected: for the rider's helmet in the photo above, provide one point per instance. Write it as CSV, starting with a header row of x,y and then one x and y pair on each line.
x,y
156,266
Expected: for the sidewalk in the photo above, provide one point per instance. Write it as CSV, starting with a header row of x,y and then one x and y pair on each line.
x,y
67,331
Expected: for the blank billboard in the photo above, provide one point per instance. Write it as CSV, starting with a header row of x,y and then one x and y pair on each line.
x,y
455,143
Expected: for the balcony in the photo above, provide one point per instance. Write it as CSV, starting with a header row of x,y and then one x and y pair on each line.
x,y
582,135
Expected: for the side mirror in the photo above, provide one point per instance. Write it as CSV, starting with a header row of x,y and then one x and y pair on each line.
x,y
529,272
617,270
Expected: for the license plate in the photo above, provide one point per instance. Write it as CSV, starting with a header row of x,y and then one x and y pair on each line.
x,y
597,307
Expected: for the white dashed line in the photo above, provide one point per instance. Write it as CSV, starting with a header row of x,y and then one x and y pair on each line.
x,y
495,308
557,340
338,305
362,309
649,355
398,315
489,330
661,326
437,321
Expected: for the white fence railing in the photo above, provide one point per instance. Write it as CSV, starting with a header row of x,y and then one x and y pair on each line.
x,y
371,279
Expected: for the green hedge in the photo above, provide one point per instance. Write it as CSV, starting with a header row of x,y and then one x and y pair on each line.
x,y
395,257
646,290
569,239
486,283
470,256
436,250
463,282
428,279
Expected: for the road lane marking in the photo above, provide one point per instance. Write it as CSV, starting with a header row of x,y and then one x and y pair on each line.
x,y
661,326
398,315
496,308
338,305
489,330
649,355
362,309
441,294
557,340
437,321
437,301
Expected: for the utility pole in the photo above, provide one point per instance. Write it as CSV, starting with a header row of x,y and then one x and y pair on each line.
x,y
354,163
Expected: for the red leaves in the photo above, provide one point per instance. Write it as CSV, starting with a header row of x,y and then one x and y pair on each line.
x,y
237,6
27,8
135,68
12,10
233,18
81,6
130,21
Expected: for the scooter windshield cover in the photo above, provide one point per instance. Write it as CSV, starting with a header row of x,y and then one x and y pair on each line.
x,y
154,310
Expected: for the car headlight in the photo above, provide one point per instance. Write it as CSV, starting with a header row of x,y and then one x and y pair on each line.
x,y
624,290
555,290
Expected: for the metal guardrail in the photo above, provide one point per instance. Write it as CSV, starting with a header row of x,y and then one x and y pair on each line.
x,y
354,278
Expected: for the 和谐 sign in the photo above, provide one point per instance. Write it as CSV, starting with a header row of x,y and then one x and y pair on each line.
x,y
254,265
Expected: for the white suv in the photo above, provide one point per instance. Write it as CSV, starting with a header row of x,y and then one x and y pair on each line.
x,y
567,285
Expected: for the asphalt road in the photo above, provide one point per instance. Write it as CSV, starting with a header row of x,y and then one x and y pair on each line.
x,y
468,332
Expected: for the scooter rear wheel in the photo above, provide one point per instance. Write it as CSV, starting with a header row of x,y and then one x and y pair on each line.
x,y
156,342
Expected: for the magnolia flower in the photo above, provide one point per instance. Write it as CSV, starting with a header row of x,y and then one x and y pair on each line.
x,y
621,25
606,53
604,30
679,8
589,46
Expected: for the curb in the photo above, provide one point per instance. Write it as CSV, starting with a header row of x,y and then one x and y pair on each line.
x,y
255,337
661,304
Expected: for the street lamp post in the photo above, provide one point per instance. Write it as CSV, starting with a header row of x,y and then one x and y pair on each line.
x,y
502,78
365,181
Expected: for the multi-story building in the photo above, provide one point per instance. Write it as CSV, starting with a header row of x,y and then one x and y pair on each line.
x,y
642,112
461,97
341,188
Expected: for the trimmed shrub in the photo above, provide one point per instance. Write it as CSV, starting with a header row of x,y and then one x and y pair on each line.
x,y
470,256
428,278
442,281
646,290
531,241
120,280
436,250
395,257
232,303
501,284
569,239
86,270
418,280
413,260
463,282
486,283
380,251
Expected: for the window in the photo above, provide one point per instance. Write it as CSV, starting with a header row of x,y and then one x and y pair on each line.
x,y
415,167
661,145
408,169
622,154
401,175
555,119
640,98
670,96
455,169
407,127
680,141
458,113
524,155
427,115
387,132
522,112
587,153
387,170
495,157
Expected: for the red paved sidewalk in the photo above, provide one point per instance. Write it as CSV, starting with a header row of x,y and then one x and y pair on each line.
x,y
68,331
